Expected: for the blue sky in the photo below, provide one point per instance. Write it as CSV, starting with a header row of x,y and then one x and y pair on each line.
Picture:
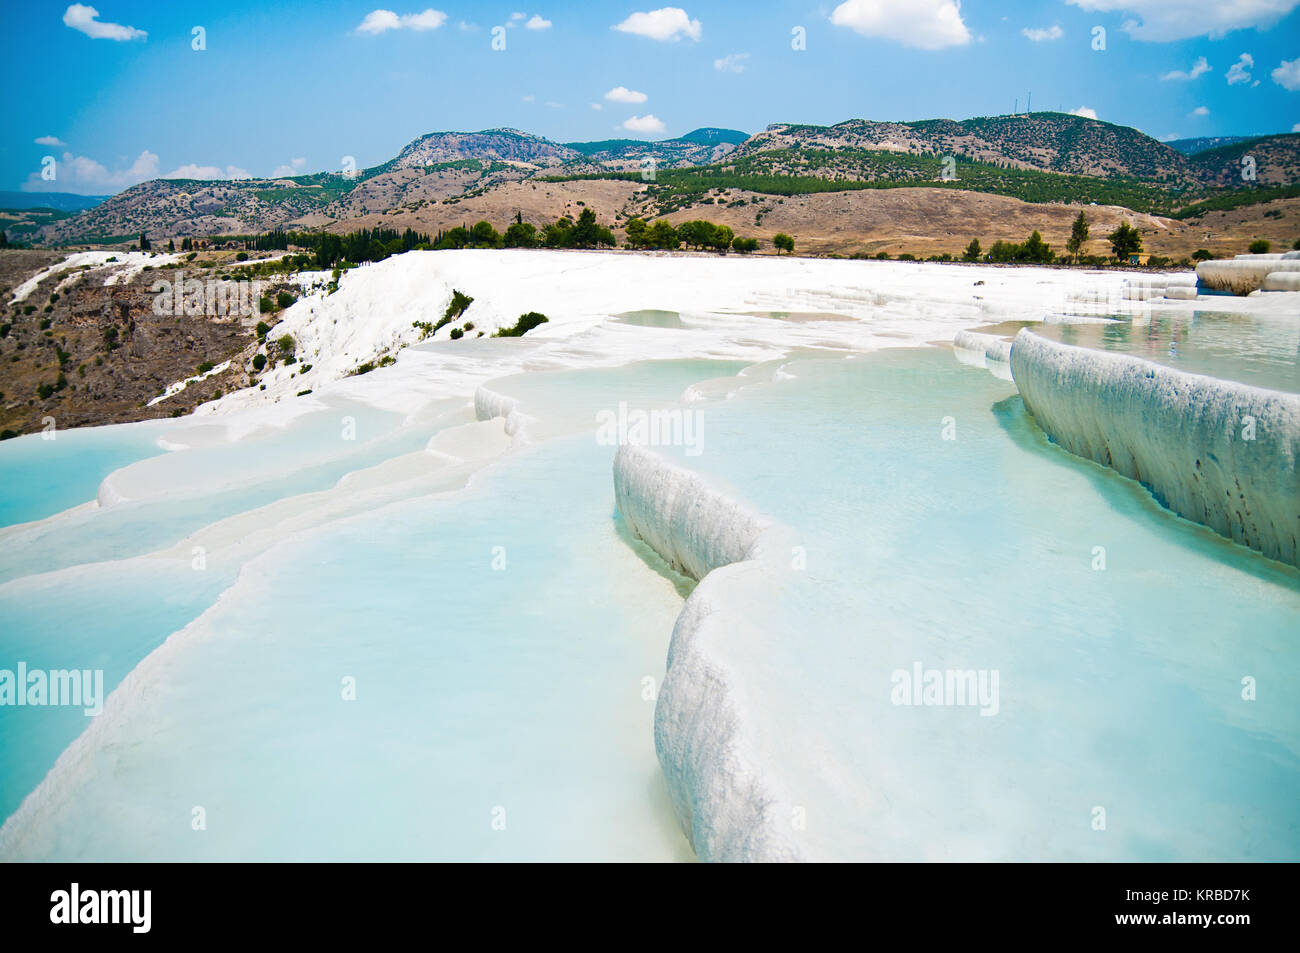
x,y
291,86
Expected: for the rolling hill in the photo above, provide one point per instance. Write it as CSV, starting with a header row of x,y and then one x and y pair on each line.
x,y
1045,142
1041,157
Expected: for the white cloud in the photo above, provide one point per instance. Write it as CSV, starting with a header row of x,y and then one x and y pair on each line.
x,y
86,20
537,23
668,23
210,172
467,27
1053,32
597,106
530,98
1296,127
731,63
1163,20
1200,111
925,24
1239,72
1287,75
294,167
381,21
646,123
85,176
49,141
621,94
1084,111
553,105
1200,66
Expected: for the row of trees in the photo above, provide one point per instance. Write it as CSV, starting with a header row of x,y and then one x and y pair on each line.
x,y
1033,250
698,234
1124,242
329,250
586,232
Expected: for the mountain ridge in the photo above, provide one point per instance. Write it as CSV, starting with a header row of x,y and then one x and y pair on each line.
x,y
445,167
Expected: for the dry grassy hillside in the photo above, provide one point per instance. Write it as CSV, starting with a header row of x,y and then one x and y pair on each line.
x,y
920,221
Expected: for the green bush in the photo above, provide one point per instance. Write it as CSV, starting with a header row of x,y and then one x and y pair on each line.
x,y
266,305
1202,254
483,235
459,303
521,327
520,235
205,367
259,361
457,334
285,344
284,299
1260,246
262,328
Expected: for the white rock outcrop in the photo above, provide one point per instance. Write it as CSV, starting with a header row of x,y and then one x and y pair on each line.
x,y
1214,451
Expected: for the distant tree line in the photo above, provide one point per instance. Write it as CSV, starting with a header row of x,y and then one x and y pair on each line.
x,y
586,232
697,234
330,250
327,250
1125,241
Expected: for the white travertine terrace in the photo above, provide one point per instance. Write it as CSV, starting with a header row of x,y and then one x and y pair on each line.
x,y
1245,273
1217,452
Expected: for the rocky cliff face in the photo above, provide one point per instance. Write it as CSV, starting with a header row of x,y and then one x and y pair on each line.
x,y
95,354
492,145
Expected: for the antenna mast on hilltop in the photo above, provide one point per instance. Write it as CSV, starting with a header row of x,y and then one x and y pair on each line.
x,y
1015,110
1029,104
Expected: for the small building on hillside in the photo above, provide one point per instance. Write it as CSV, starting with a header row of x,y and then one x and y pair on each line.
x,y
1137,258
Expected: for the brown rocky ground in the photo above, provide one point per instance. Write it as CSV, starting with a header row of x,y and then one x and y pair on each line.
x,y
1231,232
109,349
